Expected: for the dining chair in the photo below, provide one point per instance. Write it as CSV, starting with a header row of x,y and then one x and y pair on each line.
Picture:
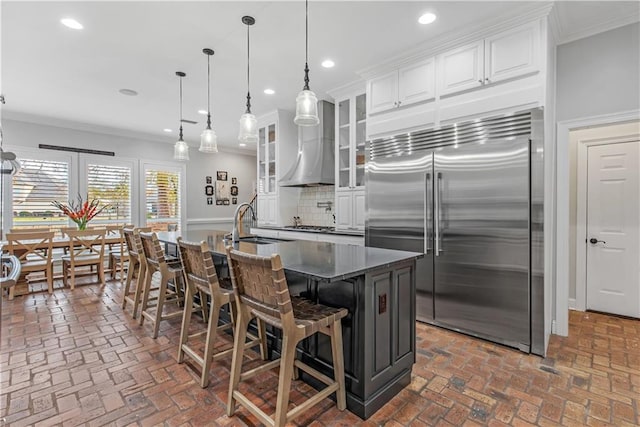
x,y
33,250
118,252
200,277
261,291
137,268
86,249
157,277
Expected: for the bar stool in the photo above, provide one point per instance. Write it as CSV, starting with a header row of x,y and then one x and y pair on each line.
x,y
261,291
137,268
200,276
158,275
119,254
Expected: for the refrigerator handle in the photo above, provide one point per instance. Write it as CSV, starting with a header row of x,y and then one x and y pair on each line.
x,y
428,211
436,213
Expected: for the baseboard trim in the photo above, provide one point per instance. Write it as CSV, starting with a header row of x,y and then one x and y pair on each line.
x,y
572,304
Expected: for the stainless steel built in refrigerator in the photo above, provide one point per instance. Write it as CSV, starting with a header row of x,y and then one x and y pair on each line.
x,y
469,197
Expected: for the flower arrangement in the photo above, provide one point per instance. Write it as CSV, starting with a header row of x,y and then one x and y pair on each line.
x,y
80,212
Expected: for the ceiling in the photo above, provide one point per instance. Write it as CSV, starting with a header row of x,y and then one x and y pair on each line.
x,y
52,71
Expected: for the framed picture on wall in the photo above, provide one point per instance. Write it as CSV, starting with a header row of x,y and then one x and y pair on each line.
x,y
219,202
222,190
234,201
209,200
208,190
225,202
234,181
221,175
208,180
234,190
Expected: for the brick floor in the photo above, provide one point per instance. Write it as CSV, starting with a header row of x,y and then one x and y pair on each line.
x,y
75,358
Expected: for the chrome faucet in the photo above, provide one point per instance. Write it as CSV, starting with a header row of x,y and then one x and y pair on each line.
x,y
234,233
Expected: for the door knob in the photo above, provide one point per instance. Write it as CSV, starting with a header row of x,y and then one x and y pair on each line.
x,y
593,241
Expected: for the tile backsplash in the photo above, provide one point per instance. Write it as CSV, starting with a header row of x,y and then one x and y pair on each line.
x,y
308,210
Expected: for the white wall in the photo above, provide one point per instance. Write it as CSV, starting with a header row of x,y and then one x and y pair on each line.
x,y
25,134
599,74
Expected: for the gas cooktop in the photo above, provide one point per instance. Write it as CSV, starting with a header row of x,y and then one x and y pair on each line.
x,y
309,228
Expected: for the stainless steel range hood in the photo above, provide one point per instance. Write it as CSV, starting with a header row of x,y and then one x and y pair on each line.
x,y
315,162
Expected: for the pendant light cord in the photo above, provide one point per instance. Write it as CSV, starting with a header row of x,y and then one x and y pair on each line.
x,y
180,139
248,111
306,47
208,91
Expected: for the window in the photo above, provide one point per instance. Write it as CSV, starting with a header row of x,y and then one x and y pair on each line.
x,y
38,183
112,186
162,198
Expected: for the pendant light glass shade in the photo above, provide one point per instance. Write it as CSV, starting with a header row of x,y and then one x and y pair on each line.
x,y
306,109
248,129
208,141
248,133
208,138
181,151
306,102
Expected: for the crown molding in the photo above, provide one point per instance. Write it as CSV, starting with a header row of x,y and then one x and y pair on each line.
x,y
554,25
460,37
104,130
597,28
355,86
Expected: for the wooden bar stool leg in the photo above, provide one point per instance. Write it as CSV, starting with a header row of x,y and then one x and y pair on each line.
x,y
101,274
72,273
262,336
242,324
212,334
284,381
127,285
338,363
161,297
145,294
203,306
140,282
186,321
49,274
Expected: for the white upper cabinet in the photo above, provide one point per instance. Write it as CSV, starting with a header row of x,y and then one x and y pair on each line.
x,y
405,86
512,53
462,68
506,55
383,92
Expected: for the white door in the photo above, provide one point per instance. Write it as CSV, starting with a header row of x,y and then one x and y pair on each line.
x,y
512,53
416,82
382,93
461,68
613,235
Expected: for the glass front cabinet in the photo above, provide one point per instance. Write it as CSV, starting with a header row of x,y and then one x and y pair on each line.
x,y
277,143
351,120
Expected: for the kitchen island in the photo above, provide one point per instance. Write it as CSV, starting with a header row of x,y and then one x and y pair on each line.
x,y
376,285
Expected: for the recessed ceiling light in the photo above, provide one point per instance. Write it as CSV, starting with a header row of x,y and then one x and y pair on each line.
x,y
269,91
242,145
128,92
167,130
71,23
327,63
203,112
427,18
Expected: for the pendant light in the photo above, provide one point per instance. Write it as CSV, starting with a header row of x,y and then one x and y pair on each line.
x,y
306,102
248,123
208,138
181,149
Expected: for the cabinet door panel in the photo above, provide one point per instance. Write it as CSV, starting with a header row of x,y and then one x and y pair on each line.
x,y
382,92
358,210
271,210
512,53
416,82
461,68
343,210
262,211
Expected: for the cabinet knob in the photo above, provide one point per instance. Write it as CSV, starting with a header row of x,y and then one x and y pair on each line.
x,y
481,82
486,79
399,102
395,104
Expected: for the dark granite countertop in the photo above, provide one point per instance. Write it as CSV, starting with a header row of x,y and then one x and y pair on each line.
x,y
355,233
316,260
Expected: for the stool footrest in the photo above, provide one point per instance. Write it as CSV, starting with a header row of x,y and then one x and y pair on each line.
x,y
259,413
312,401
317,375
193,355
262,368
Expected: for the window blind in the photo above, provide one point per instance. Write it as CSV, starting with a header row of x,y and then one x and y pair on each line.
x,y
112,186
35,186
162,190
